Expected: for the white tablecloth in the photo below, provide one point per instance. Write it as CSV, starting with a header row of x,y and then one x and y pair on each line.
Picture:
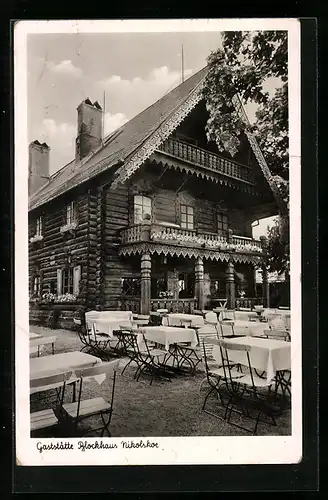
x,y
168,335
60,363
266,354
249,328
109,325
35,335
175,319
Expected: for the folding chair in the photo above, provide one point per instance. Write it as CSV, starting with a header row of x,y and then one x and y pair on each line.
x,y
97,342
215,375
248,392
48,418
151,361
84,409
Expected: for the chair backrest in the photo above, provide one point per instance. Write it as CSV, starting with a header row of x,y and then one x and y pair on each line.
x,y
276,334
228,314
51,379
204,335
142,319
211,317
226,328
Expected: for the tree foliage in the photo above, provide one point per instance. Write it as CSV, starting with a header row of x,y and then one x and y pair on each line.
x,y
253,65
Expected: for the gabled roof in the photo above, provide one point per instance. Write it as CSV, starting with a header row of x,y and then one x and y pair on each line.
x,y
127,148
123,144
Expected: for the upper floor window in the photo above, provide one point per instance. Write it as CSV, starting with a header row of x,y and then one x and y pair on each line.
x,y
71,213
222,222
142,208
187,217
39,226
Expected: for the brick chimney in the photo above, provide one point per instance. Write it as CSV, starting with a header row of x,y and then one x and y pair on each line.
x,y
89,128
38,166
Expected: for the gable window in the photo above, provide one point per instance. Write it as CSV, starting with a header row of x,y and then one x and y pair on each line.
x,y
187,216
222,222
70,213
142,208
39,226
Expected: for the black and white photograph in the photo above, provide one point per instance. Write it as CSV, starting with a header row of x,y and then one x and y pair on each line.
x,y
158,242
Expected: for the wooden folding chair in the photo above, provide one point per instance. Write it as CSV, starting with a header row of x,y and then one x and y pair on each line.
x,y
84,409
50,417
43,341
247,394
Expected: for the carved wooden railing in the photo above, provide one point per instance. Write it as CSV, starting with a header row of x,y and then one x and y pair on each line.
x,y
161,233
130,304
187,305
249,302
204,158
175,305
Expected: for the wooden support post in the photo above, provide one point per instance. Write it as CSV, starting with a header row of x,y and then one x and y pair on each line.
x,y
265,287
230,285
145,283
265,281
199,282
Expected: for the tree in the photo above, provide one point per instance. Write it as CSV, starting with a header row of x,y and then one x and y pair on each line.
x,y
245,66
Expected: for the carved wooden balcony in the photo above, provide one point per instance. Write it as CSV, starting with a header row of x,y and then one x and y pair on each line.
x,y
207,160
174,240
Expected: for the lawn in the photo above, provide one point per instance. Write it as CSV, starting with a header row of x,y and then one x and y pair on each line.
x,y
163,409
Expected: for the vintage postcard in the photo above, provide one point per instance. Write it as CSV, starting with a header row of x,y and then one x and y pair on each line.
x,y
158,242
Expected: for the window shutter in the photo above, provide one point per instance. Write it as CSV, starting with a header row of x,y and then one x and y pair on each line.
x,y
59,281
76,279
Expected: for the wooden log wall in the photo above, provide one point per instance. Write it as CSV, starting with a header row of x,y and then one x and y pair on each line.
x,y
59,250
116,210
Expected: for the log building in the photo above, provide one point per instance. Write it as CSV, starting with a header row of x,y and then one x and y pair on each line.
x,y
151,216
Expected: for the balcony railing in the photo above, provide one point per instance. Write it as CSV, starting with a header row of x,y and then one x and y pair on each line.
x,y
161,233
203,158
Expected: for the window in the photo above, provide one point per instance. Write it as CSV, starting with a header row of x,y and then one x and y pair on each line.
x,y
36,286
70,213
68,280
222,222
131,286
142,207
39,228
187,217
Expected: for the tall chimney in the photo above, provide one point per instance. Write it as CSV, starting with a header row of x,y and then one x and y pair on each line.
x,y
89,128
38,166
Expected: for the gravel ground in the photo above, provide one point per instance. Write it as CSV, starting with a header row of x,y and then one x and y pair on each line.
x,y
167,408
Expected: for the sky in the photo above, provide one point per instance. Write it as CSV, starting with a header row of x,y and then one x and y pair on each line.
x,y
133,69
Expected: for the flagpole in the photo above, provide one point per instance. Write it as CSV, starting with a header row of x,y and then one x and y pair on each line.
x,y
182,65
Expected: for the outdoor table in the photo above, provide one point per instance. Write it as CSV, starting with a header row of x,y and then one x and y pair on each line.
x,y
178,319
249,328
268,355
108,326
60,363
35,335
168,335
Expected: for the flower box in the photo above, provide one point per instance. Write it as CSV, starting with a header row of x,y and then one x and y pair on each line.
x,y
68,228
36,238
